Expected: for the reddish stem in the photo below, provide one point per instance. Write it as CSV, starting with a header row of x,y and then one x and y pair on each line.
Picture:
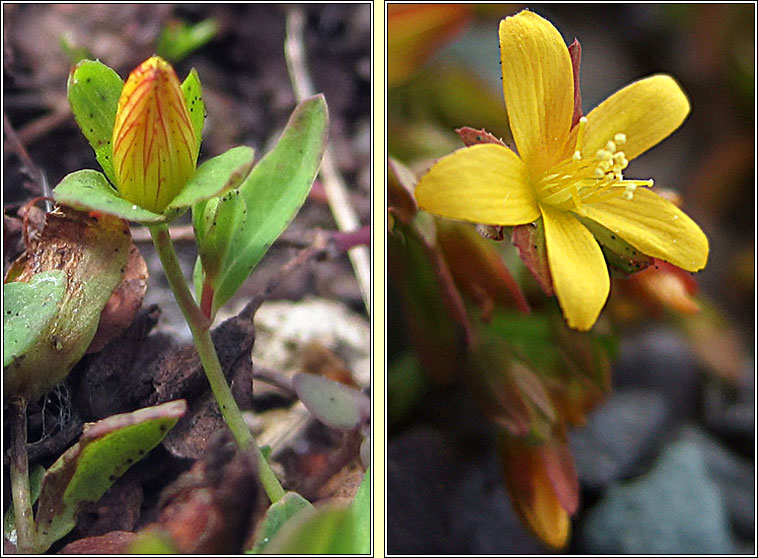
x,y
206,300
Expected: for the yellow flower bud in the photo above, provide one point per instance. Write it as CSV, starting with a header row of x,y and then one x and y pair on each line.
x,y
154,144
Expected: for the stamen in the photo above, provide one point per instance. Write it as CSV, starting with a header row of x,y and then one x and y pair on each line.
x,y
610,146
620,138
580,134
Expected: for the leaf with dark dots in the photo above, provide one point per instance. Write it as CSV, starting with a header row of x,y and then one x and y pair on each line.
x,y
105,451
29,311
93,92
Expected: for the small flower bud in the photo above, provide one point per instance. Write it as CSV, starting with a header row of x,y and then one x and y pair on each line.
x,y
154,144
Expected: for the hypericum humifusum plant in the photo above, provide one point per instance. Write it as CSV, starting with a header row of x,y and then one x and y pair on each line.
x,y
146,134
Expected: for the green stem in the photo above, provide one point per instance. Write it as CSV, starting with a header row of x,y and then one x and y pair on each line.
x,y
19,465
199,325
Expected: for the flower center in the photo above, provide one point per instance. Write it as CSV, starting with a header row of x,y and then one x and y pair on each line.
x,y
582,179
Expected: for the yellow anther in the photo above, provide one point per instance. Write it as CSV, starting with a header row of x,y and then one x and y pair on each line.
x,y
610,146
577,156
605,165
600,173
620,138
627,195
618,157
603,155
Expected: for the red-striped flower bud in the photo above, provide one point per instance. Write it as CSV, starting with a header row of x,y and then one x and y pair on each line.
x,y
154,144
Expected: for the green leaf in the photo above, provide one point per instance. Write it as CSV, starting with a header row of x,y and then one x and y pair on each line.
x,y
406,385
328,529
93,92
178,38
9,521
29,311
193,96
277,515
152,541
85,471
89,190
274,192
214,177
332,403
361,511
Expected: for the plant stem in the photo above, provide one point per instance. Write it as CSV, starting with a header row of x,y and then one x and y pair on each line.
x,y
22,499
199,325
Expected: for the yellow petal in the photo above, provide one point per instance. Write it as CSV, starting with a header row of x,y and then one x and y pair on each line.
x,y
580,275
154,145
538,84
646,111
654,226
485,183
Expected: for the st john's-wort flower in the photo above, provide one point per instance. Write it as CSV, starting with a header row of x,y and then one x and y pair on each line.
x,y
155,149
569,170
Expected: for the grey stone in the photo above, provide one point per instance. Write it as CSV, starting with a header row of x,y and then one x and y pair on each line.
x,y
619,437
674,509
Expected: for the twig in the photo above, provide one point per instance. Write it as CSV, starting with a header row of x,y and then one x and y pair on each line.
x,y
30,168
318,249
334,185
273,377
22,499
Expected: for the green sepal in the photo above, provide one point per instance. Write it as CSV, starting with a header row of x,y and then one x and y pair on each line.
x,y
623,258
93,93
193,96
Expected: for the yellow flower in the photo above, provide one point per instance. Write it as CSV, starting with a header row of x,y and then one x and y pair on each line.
x,y
566,173
154,144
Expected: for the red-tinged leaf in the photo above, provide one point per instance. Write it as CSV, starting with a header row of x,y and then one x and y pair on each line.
x,y
124,303
91,250
575,52
478,269
663,285
507,391
472,136
428,299
104,452
559,467
532,491
716,341
114,542
400,184
530,241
